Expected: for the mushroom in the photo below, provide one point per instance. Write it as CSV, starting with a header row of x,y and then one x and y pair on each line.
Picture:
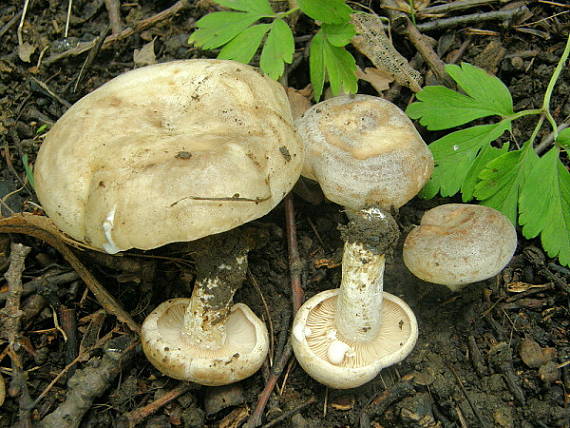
x,y
176,152
367,156
458,244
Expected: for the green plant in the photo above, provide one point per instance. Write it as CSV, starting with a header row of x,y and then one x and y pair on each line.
x,y
240,34
525,186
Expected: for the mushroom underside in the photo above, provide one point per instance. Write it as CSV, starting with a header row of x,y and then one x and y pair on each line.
x,y
315,332
167,346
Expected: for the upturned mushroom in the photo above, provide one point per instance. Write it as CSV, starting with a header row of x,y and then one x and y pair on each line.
x,y
169,153
458,244
367,156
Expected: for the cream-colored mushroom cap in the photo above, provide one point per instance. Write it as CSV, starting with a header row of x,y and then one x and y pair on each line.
x,y
170,152
363,150
167,348
457,244
340,362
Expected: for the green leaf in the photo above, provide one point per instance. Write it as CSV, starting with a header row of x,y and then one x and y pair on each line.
x,y
317,64
279,48
503,179
341,69
442,108
338,34
329,11
256,6
486,155
243,47
455,155
218,28
545,205
564,138
483,87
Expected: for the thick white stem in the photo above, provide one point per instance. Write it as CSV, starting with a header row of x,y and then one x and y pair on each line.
x,y
211,302
359,303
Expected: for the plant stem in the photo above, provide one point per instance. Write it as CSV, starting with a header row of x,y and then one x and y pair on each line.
x,y
550,87
537,128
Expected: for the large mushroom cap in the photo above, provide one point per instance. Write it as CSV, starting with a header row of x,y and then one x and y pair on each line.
x,y
364,150
457,244
170,152
314,332
166,346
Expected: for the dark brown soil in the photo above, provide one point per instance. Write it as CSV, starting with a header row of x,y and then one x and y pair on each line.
x,y
495,354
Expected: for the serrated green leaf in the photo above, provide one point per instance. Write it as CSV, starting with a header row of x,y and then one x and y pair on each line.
x,y
243,47
329,11
255,6
442,108
483,87
503,178
564,138
455,155
341,69
338,34
278,49
486,155
317,64
218,28
545,205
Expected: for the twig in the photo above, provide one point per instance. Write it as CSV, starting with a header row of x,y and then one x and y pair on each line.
x,y
454,6
13,315
137,416
21,24
255,284
126,33
473,407
10,23
68,18
69,326
456,21
380,403
91,56
255,418
42,228
295,264
62,373
46,89
549,139
405,25
90,383
114,11
50,278
290,413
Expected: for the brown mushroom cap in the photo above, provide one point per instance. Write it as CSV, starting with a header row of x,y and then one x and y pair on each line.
x,y
457,244
363,150
170,152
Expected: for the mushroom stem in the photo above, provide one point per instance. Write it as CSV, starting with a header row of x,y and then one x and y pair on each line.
x,y
359,304
218,278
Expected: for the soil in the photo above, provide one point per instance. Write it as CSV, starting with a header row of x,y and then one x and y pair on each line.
x,y
495,354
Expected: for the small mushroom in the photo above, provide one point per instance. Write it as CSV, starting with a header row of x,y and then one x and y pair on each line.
x,y
367,156
176,152
458,244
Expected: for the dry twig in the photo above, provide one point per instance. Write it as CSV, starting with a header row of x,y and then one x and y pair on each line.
x,y
126,33
135,417
12,315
